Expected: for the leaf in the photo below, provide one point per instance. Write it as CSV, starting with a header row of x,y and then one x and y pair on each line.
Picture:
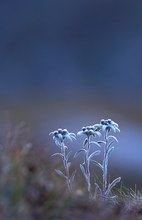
x,y
86,160
57,154
113,137
109,151
97,188
68,155
83,171
72,176
78,152
85,142
97,163
113,197
111,185
94,154
96,143
65,147
101,142
60,173
69,164
110,144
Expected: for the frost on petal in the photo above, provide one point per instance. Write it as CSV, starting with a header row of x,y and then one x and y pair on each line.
x,y
51,133
97,127
69,137
113,128
103,128
91,132
117,129
60,130
97,133
60,136
114,123
72,135
58,142
80,133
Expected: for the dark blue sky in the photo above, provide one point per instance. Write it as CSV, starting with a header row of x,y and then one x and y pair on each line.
x,y
68,49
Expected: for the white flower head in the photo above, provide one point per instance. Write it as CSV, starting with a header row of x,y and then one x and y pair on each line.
x,y
109,125
60,135
89,131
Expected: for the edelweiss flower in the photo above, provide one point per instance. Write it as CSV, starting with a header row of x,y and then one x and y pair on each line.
x,y
60,135
107,125
89,130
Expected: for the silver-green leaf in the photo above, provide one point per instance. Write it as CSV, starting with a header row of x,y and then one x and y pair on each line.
x,y
111,185
60,173
78,152
94,154
83,171
57,154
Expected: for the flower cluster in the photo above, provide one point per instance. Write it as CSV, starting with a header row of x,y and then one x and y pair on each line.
x,y
60,135
89,131
107,125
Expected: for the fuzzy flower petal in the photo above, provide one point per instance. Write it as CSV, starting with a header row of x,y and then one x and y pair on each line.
x,y
60,135
89,131
108,125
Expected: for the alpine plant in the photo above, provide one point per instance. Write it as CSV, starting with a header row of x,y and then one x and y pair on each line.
x,y
106,127
59,137
92,137
88,132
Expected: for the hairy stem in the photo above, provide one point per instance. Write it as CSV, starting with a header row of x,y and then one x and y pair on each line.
x,y
105,165
65,163
88,167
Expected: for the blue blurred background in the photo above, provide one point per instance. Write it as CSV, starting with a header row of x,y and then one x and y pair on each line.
x,y
71,63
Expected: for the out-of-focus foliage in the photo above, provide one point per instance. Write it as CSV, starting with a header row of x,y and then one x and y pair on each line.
x,y
25,188
29,188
